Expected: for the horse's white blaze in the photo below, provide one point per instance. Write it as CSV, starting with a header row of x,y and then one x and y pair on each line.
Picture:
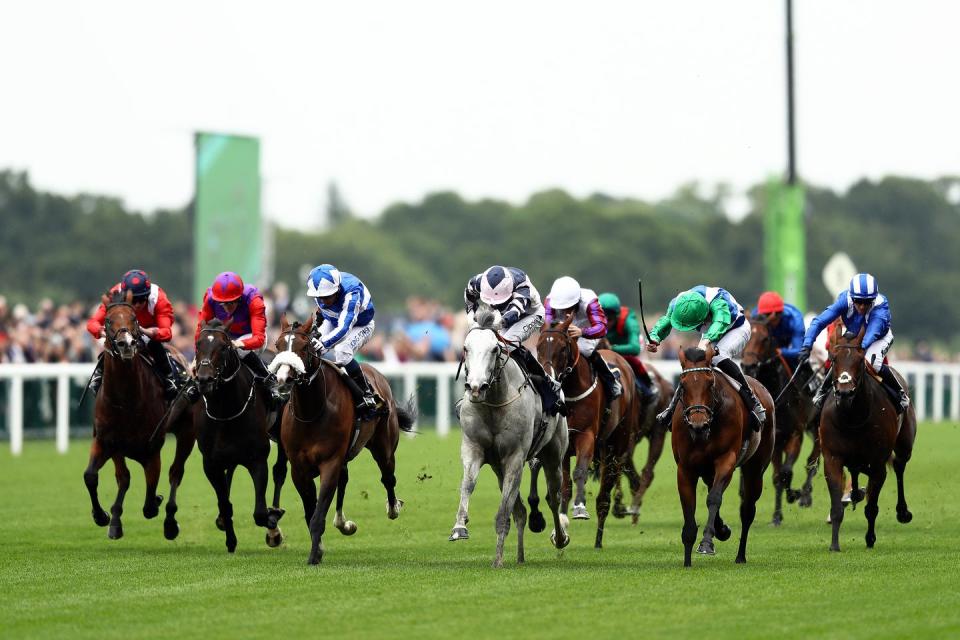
x,y
481,350
209,338
128,339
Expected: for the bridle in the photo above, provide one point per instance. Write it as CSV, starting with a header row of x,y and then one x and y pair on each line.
x,y
113,346
845,377
499,360
306,378
573,354
219,379
699,408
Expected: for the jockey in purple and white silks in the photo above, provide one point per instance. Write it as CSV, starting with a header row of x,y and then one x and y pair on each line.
x,y
860,304
509,291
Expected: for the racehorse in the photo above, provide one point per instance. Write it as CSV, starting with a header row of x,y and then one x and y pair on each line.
x,y
233,420
320,431
586,420
712,436
128,409
796,414
860,429
503,426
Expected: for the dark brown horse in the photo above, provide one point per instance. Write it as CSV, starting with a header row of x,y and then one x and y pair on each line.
x,y
712,436
320,433
128,408
586,402
796,415
233,420
860,430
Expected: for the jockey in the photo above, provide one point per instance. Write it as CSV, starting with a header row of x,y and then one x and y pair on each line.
x,y
344,324
509,291
623,334
229,299
721,322
155,316
860,304
786,326
588,326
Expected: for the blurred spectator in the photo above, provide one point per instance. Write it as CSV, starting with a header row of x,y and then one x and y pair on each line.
x,y
422,336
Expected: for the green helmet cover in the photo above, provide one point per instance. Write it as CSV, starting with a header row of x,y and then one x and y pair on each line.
x,y
609,302
689,311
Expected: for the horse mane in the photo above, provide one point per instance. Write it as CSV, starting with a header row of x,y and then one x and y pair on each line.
x,y
487,317
216,323
695,354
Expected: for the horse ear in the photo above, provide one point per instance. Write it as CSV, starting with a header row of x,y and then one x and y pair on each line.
x,y
861,333
104,300
226,325
284,325
566,322
309,324
748,313
129,297
683,359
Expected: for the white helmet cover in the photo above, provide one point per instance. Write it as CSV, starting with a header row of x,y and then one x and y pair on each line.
x,y
496,286
323,281
564,293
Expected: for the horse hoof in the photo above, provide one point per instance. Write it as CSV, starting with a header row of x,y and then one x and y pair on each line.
x,y
349,528
903,517
777,520
537,522
273,517
723,533
580,512
561,543
459,533
806,500
706,548
394,513
115,532
835,548
220,524
274,538
171,529
497,563
870,541
618,511
791,496
101,518
740,560
231,547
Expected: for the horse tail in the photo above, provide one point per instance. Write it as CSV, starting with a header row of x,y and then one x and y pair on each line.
x,y
406,415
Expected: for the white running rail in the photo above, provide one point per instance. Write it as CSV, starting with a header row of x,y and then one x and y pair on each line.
x,y
940,381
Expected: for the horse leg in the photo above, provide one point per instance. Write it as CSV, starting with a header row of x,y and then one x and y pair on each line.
x,y
259,475
687,488
91,479
508,473
383,454
519,520
218,478
537,522
813,463
585,449
776,462
151,502
657,438
903,513
274,535
874,485
791,452
185,442
552,460
123,483
307,489
329,480
609,476
752,485
633,482
566,486
722,473
344,526
833,472
472,456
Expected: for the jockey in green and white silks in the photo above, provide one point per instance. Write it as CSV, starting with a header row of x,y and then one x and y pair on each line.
x,y
719,318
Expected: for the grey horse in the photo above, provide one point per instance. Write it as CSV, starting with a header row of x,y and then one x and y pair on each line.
x,y
501,419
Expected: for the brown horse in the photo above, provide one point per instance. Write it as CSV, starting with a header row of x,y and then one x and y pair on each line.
x,y
712,436
860,429
587,420
128,407
796,414
320,432
233,419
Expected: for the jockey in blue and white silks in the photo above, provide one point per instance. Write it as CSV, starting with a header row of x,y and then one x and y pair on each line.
x,y
861,304
344,323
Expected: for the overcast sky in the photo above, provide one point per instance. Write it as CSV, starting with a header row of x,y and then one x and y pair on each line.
x,y
393,100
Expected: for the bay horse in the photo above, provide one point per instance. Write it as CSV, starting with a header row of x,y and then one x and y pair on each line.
x,y
128,407
712,436
796,415
587,422
503,426
233,422
860,430
320,431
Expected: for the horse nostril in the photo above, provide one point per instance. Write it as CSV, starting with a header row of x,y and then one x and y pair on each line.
x,y
484,386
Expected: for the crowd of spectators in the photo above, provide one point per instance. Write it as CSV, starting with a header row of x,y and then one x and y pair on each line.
x,y
428,331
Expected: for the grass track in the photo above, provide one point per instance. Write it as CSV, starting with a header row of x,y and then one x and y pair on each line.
x,y
61,577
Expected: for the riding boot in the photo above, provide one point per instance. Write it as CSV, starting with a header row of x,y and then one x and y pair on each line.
x,y
161,363
822,391
900,400
759,414
264,377
97,378
546,385
367,403
611,382
648,390
664,417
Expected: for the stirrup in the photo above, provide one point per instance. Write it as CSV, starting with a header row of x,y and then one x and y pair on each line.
x,y
759,414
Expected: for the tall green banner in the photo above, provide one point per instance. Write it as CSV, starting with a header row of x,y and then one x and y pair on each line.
x,y
784,246
227,224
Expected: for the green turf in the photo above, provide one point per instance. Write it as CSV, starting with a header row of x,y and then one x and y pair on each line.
x,y
61,577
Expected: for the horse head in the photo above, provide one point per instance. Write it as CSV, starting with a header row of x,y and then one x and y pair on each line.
x,y
558,351
849,364
121,328
217,360
297,359
760,350
484,355
698,384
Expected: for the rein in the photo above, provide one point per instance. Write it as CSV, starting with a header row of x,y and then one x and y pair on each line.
x,y
695,408
299,382
219,378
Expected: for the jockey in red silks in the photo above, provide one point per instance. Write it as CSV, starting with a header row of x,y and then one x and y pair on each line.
x,y
229,300
155,316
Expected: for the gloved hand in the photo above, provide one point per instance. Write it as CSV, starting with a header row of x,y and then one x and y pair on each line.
x,y
317,345
804,355
510,317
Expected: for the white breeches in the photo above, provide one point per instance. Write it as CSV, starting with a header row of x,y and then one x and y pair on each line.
x,y
342,352
523,329
877,350
731,343
587,346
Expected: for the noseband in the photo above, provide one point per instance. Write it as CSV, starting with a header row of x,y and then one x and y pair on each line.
x,y
697,408
566,371
308,376
218,377
499,364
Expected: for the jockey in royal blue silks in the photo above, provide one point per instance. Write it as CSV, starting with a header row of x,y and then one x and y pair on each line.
x,y
785,324
860,304
344,323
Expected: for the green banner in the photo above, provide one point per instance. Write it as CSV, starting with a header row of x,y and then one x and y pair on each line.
x,y
784,246
227,223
